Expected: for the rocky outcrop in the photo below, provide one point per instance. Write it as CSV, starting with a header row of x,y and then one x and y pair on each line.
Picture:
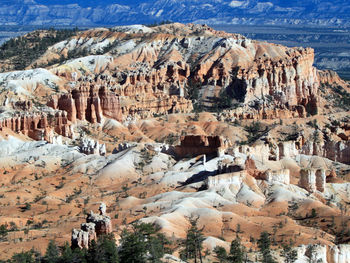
x,y
338,151
331,177
308,180
312,179
322,253
103,224
88,102
40,126
96,225
268,84
251,169
90,146
80,239
339,253
194,145
226,166
92,100
330,77
264,110
320,180
335,150
280,176
226,179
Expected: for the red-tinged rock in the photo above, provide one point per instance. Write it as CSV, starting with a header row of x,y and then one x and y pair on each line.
x,y
194,145
39,126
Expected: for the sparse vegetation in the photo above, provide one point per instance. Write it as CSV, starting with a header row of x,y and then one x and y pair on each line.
x,y
264,248
23,50
339,96
164,22
255,130
289,254
27,206
3,232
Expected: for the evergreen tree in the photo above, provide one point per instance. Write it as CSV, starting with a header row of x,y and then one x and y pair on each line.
x,y
142,244
289,254
30,256
3,232
105,251
69,255
193,243
221,254
132,248
52,254
236,251
264,246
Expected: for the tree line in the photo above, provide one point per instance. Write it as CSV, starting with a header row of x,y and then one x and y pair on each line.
x,y
144,243
23,50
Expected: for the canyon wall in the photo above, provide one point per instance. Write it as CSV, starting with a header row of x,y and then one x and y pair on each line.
x,y
89,103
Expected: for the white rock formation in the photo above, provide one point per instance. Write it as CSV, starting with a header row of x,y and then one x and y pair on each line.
x,y
313,179
90,146
323,254
281,176
308,180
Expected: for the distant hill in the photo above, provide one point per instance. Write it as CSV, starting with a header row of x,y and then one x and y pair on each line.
x,y
112,12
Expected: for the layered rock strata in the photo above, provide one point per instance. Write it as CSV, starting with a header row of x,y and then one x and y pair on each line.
x,y
40,126
154,69
88,102
93,101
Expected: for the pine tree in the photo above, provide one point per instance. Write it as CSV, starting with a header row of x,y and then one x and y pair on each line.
x,y
3,232
289,254
106,250
193,243
132,248
69,255
264,246
221,254
236,251
30,256
142,244
52,254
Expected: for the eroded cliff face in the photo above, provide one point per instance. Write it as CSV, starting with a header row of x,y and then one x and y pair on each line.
x,y
88,102
258,71
330,77
140,72
40,126
153,69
